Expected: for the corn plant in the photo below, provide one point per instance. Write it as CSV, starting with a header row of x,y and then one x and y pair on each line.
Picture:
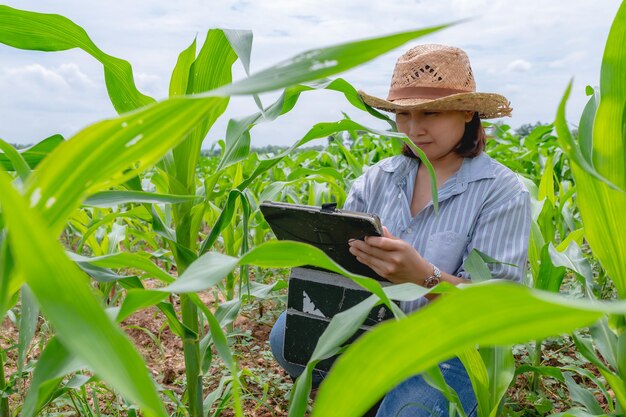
x,y
146,133
511,314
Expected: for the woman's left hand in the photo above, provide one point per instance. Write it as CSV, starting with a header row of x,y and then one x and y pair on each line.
x,y
392,258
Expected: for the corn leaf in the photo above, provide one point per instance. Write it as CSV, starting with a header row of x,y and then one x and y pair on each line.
x,y
320,63
237,133
120,148
124,260
51,32
500,366
34,154
502,313
29,315
210,70
16,160
212,267
479,378
180,76
65,297
602,205
54,363
115,198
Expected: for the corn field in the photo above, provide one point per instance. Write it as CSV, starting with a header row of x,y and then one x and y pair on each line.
x,y
130,216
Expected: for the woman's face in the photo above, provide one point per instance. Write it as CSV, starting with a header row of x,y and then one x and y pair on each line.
x,y
436,133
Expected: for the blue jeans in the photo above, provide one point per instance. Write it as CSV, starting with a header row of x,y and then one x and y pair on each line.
x,y
412,398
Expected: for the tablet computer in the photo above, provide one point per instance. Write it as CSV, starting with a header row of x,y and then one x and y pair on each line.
x,y
327,228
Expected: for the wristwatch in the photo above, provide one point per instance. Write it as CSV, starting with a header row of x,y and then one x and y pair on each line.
x,y
434,279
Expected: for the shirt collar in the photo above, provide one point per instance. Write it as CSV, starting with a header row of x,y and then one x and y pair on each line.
x,y
472,169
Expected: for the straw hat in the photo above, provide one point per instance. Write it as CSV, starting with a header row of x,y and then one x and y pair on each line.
x,y
437,77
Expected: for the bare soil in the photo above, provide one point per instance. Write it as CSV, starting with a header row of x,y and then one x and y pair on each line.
x,y
266,386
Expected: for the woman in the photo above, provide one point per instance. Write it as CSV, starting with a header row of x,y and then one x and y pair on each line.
x,y
482,204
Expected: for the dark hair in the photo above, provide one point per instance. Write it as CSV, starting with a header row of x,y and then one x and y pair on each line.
x,y
471,144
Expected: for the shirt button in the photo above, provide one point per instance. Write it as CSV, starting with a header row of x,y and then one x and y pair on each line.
x,y
409,230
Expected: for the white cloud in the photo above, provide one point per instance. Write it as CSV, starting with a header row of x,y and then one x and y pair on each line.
x,y
567,61
36,76
512,89
519,65
151,85
561,38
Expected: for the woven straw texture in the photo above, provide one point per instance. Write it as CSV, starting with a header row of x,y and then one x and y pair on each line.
x,y
437,68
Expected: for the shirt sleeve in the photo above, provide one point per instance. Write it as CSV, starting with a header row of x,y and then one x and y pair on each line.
x,y
502,233
355,201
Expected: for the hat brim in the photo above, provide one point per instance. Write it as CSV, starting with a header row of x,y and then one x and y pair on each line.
x,y
488,105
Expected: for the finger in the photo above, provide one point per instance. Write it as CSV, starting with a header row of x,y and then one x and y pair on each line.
x,y
379,265
387,233
385,243
370,250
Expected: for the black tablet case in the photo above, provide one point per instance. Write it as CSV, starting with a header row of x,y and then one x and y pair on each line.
x,y
315,295
326,228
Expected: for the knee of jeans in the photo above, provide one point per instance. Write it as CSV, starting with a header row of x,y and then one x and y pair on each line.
x,y
277,337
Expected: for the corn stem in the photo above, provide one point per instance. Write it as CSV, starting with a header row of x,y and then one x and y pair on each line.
x,y
191,351
4,401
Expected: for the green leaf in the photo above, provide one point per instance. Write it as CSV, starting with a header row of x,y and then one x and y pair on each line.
x,y
502,313
621,355
587,350
29,315
606,341
434,378
34,154
137,299
125,260
207,271
51,32
601,202
500,366
546,184
573,259
549,371
550,276
479,378
356,167
120,148
211,69
223,220
618,386
341,327
67,300
53,364
477,267
237,133
321,62
585,128
115,198
16,160
582,395
571,148
609,136
212,267
287,254
180,75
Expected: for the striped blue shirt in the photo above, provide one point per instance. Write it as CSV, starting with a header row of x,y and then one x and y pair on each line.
x,y
483,205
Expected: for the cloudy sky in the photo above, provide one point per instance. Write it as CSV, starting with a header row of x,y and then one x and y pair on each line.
x,y
527,51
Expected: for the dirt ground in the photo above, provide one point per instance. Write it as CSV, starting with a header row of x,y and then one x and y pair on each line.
x,y
266,386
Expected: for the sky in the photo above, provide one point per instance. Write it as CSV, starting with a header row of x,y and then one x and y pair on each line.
x,y
527,51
